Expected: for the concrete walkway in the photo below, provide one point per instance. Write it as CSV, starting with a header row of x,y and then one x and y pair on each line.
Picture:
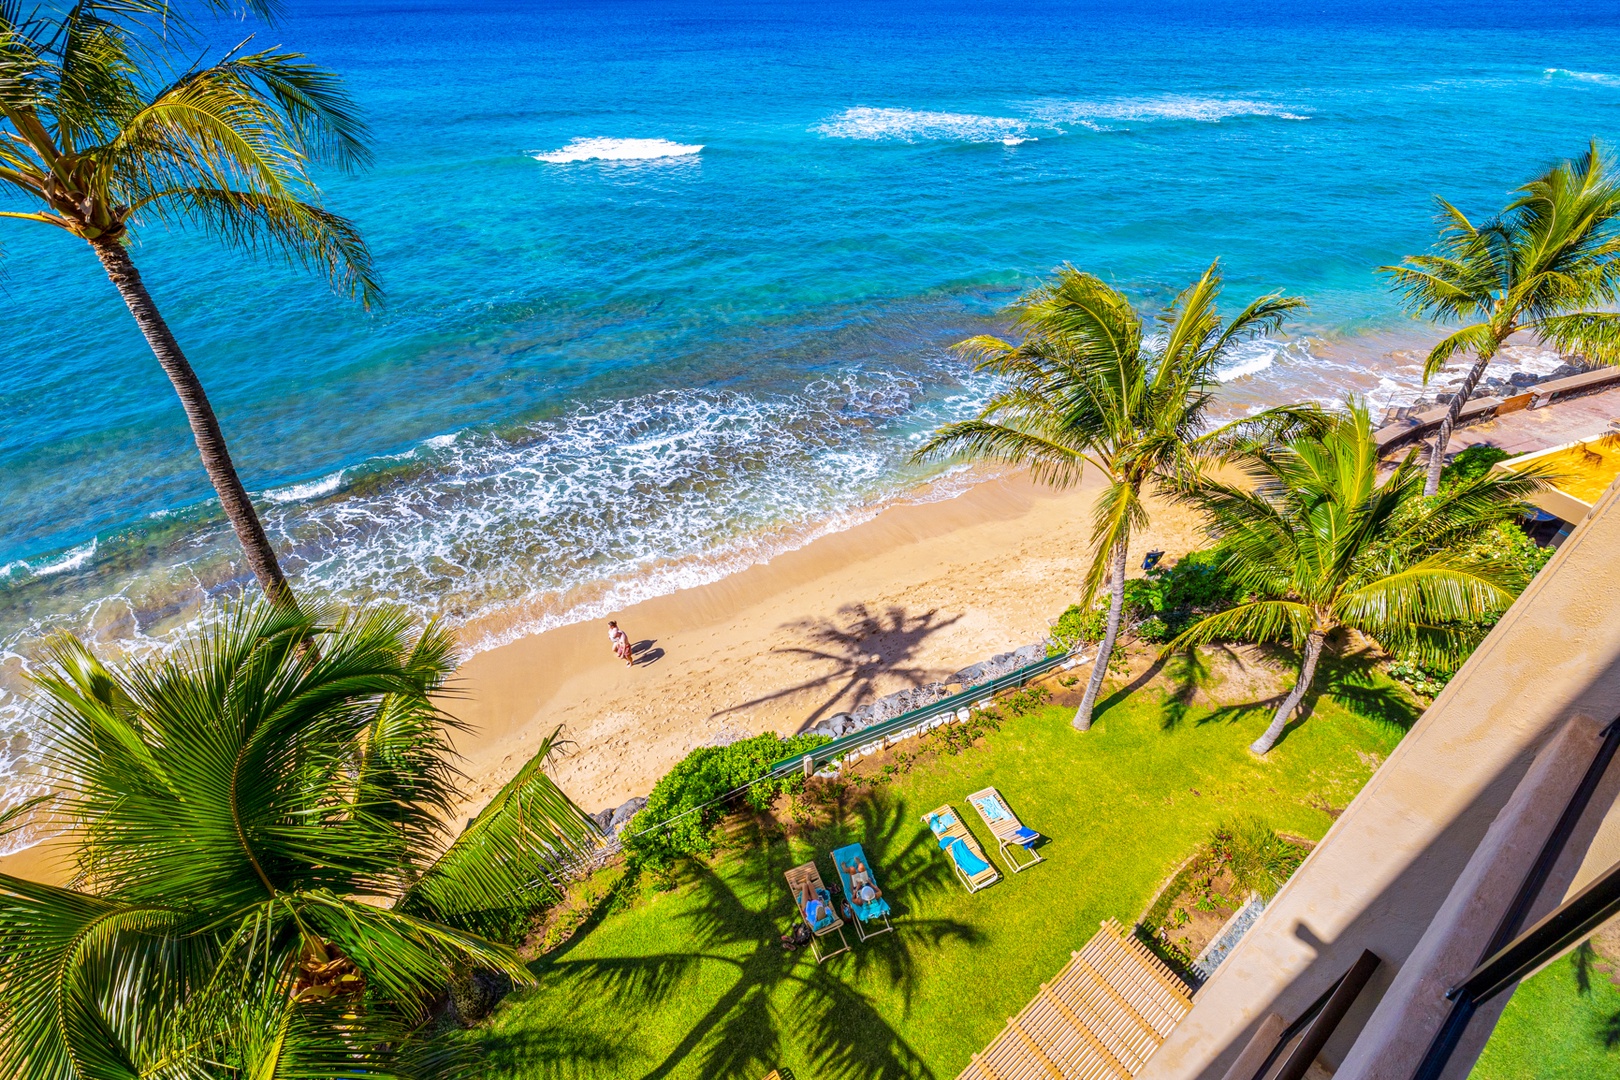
x,y
1538,429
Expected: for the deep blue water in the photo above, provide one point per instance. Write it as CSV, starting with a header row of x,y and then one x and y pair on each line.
x,y
595,379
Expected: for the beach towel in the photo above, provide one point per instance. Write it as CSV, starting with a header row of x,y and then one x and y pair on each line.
x,y
992,808
970,863
865,910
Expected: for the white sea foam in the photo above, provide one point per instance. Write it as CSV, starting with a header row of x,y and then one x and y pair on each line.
x,y
603,149
1583,76
1098,113
310,490
1251,358
60,563
915,125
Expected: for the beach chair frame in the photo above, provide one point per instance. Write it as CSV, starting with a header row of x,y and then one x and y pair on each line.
x,y
861,931
959,830
1005,830
809,875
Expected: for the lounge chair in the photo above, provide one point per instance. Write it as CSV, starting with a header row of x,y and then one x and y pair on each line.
x,y
1011,834
821,915
960,847
873,913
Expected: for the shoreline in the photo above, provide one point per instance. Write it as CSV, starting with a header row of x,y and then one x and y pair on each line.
x,y
915,593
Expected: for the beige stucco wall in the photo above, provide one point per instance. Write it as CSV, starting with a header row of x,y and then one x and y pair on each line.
x,y
1388,863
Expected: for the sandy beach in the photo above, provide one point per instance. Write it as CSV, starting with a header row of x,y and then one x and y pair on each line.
x,y
917,593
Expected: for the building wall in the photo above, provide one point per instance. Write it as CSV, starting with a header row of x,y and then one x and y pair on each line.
x,y
1388,863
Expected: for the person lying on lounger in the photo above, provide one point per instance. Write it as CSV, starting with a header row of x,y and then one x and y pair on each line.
x,y
815,910
860,880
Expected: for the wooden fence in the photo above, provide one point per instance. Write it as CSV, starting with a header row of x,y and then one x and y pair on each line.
x,y
1101,1018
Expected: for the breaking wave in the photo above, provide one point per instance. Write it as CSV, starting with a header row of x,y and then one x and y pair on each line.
x,y
600,149
915,125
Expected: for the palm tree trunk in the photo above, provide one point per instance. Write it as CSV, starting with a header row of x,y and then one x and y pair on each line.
x,y
1099,666
1437,456
1307,672
216,458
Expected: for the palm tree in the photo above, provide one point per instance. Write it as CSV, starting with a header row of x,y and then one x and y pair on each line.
x,y
267,877
1088,385
1544,266
99,134
1320,543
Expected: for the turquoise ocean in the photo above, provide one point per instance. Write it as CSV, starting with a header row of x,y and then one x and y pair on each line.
x,y
671,287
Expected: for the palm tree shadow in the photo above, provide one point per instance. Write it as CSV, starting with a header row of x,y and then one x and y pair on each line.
x,y
1130,688
1348,678
557,1052
1345,676
859,646
774,994
1188,672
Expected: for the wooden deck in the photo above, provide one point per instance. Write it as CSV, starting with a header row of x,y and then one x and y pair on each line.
x,y
1101,1018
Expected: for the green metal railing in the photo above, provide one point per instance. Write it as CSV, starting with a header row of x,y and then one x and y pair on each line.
x,y
876,732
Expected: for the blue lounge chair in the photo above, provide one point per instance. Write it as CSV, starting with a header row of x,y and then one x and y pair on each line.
x,y
967,858
874,913
1010,833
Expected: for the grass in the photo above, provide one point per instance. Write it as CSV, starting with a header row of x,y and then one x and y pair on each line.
x,y
691,982
1562,1023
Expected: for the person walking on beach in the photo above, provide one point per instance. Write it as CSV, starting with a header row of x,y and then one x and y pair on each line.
x,y
621,643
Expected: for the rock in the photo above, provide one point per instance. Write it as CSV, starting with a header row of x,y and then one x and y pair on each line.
x,y
622,815
1029,654
1565,370
1522,379
474,997
603,818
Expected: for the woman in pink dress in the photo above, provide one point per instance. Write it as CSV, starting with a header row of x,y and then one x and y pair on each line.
x,y
621,643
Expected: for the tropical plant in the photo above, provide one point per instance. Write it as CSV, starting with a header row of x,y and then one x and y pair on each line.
x,y
268,884
100,133
1548,265
687,803
1257,858
1320,543
1089,385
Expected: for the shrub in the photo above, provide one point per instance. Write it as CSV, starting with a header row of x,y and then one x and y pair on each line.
x,y
1471,464
1424,680
1075,626
689,797
1145,596
1154,630
1158,606
1198,583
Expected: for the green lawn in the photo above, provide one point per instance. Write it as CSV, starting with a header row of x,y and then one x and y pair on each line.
x,y
692,982
1562,1024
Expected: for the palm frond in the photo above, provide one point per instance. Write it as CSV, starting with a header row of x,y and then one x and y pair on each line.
x,y
519,845
1480,339
1259,620
1440,589
59,951
1050,462
1595,335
